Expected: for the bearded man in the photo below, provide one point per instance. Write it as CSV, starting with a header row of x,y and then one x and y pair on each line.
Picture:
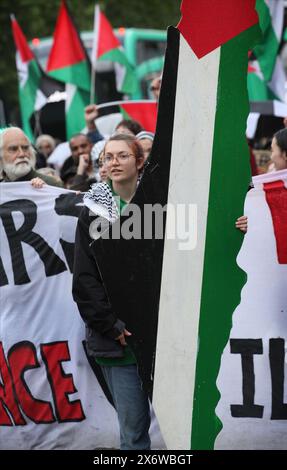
x,y
18,159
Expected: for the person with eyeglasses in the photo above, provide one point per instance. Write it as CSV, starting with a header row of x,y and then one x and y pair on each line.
x,y
106,333
18,159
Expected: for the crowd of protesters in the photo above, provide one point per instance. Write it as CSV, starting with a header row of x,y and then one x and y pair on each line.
x,y
79,170
111,166
105,168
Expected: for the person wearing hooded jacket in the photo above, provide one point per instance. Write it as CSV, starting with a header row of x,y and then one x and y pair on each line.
x,y
106,333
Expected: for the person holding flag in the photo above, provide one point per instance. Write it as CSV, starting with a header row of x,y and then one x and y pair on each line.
x,y
106,333
279,162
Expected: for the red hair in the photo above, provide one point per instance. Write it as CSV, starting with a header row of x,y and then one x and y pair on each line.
x,y
131,142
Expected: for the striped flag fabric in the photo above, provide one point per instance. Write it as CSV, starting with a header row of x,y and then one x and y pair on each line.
x,y
34,85
106,46
142,111
68,62
145,112
266,76
271,16
259,89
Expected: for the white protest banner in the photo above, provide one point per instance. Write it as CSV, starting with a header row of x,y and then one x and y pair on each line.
x,y
252,376
49,395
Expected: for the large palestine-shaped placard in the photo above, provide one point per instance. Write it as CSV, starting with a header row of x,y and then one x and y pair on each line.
x,y
200,287
179,297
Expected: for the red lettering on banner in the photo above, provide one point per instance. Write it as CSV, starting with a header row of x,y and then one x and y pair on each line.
x,y
17,399
276,197
23,357
61,384
8,402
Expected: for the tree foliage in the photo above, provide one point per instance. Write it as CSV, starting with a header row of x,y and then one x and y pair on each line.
x,y
37,18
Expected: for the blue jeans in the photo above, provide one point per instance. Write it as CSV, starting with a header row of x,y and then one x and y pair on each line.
x,y
131,404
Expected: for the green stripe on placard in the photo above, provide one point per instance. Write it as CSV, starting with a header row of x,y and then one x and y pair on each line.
x,y
78,74
222,278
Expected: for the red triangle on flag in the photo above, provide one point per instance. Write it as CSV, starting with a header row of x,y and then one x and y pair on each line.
x,y
106,37
251,68
207,24
67,48
21,43
144,113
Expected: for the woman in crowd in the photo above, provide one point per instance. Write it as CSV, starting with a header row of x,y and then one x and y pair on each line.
x,y
145,139
128,126
103,172
106,333
279,162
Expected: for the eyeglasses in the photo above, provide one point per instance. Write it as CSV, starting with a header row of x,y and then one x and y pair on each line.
x,y
121,157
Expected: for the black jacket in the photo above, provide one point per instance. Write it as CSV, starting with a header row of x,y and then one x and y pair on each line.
x,y
102,324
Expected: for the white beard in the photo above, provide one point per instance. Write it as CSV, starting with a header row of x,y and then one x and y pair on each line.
x,y
21,167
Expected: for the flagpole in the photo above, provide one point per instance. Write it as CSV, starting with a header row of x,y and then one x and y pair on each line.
x,y
93,83
37,128
118,103
94,52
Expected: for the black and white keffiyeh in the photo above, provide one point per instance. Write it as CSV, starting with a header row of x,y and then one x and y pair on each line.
x,y
101,201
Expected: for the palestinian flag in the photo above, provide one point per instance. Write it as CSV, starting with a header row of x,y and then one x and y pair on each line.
x,y
142,111
106,46
271,16
259,89
34,85
187,286
145,112
68,63
209,170
266,75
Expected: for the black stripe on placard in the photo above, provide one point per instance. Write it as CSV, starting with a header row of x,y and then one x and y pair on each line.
x,y
131,269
